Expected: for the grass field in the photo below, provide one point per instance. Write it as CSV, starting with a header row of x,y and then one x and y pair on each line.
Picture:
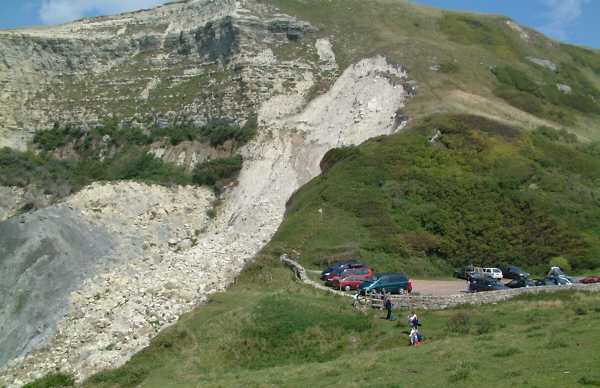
x,y
270,331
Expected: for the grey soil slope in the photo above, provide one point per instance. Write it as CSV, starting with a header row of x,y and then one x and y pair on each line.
x,y
43,257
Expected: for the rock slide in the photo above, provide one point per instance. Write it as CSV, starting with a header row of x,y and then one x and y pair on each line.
x,y
115,313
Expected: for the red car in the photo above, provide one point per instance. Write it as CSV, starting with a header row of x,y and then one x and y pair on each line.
x,y
348,283
361,272
590,279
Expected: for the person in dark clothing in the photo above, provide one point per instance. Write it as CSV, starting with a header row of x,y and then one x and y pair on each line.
x,y
387,304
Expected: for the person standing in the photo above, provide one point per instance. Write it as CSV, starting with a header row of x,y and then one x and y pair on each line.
x,y
413,320
414,336
387,304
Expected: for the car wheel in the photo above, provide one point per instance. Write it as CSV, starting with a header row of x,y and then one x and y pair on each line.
x,y
347,288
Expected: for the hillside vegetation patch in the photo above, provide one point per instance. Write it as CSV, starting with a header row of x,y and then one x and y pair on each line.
x,y
484,192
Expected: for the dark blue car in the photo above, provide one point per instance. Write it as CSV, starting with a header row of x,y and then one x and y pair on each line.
x,y
339,268
393,282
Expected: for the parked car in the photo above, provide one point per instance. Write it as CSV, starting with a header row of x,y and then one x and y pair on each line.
x,y
557,277
339,267
513,272
466,271
393,282
485,283
590,279
362,272
495,273
521,282
349,283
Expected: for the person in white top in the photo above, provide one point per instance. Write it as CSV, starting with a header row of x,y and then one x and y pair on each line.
x,y
414,336
413,320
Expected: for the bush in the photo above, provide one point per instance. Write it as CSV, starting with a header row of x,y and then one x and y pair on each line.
x,y
212,172
52,380
448,68
561,262
216,133
510,76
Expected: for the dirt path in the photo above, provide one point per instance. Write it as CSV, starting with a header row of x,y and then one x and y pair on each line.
x,y
439,287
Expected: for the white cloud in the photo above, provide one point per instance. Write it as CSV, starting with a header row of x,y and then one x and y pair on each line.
x,y
560,15
60,11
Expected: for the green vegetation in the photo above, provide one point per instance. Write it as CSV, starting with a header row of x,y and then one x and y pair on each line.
x,y
55,380
544,99
484,193
488,32
63,177
216,134
269,330
110,152
218,172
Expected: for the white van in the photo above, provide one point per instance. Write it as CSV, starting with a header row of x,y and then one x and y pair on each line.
x,y
495,273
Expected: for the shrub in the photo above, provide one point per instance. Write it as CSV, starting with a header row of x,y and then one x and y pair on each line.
x,y
216,133
52,380
212,172
561,262
448,68
510,76
524,101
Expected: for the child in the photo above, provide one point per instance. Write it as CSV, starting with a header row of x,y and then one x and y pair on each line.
x,y
414,336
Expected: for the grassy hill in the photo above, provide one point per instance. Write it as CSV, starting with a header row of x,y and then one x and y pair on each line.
x,y
467,63
269,331
483,192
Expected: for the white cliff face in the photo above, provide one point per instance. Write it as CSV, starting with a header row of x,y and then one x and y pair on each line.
x,y
189,61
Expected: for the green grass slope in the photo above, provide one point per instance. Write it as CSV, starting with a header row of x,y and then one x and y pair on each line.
x,y
466,50
271,331
482,192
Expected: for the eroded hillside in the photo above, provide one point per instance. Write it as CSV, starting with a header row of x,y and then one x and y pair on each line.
x,y
146,87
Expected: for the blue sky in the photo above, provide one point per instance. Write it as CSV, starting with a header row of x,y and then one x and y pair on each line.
x,y
574,21
567,20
